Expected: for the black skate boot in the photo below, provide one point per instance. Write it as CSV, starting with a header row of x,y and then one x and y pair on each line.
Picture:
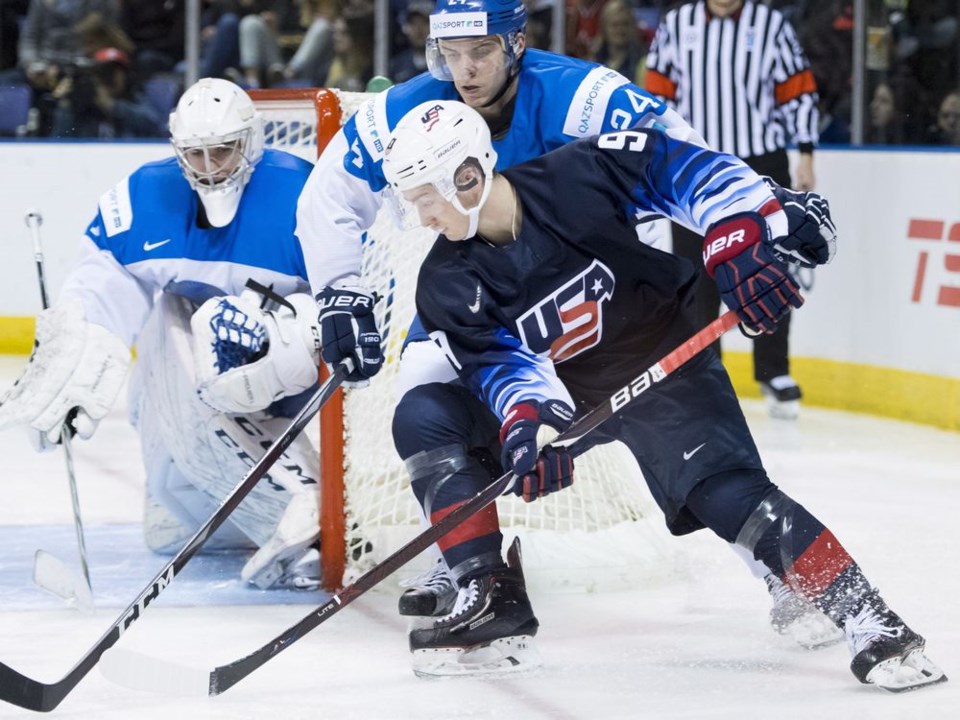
x,y
490,630
429,595
783,397
885,651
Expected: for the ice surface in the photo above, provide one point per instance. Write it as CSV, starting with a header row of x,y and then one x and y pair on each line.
x,y
695,646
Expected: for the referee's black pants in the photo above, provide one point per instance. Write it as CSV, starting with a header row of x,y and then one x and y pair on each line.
x,y
770,352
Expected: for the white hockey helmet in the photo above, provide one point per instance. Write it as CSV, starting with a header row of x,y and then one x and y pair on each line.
x,y
445,144
217,134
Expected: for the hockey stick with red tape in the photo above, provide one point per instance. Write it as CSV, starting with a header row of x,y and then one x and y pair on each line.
x,y
147,673
18,689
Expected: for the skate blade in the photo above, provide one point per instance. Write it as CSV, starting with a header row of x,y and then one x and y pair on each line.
x,y
912,672
787,410
814,631
505,656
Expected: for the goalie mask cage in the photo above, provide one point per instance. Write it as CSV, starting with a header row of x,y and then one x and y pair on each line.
x,y
598,534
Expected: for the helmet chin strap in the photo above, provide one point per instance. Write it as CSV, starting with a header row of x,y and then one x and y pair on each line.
x,y
473,214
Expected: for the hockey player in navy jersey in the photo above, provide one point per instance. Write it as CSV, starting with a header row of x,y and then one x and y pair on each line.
x,y
164,264
533,101
545,304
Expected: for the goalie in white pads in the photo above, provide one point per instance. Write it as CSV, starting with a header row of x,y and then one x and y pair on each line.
x,y
164,264
534,286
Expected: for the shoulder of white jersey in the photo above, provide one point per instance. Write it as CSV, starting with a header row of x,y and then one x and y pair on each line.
x,y
590,98
371,125
152,182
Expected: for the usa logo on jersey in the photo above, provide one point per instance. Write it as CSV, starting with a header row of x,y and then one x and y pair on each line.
x,y
570,320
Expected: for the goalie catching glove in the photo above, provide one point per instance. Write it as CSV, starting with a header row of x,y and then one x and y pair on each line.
x,y
74,376
540,472
811,237
246,357
349,330
752,281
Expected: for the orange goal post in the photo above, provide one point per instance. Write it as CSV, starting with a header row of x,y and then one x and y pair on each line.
x,y
602,533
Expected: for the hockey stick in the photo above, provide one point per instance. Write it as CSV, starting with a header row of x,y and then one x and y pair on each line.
x,y
146,673
49,572
31,694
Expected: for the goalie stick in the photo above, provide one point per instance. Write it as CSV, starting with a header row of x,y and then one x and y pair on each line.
x,y
21,690
144,672
49,572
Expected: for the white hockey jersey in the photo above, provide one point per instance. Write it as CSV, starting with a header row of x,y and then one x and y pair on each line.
x,y
145,239
559,99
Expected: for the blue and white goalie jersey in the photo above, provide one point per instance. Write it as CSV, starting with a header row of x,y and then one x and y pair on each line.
x,y
559,99
145,239
576,303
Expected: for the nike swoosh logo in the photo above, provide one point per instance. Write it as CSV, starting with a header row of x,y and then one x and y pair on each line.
x,y
688,455
475,308
148,246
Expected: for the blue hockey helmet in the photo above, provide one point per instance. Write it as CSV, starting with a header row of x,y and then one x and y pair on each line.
x,y
461,19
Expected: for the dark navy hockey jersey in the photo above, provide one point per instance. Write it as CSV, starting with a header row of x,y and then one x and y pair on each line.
x,y
577,304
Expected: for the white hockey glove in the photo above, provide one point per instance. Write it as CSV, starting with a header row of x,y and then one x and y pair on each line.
x,y
246,358
76,370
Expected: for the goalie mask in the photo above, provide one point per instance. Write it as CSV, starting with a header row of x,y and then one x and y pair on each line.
x,y
471,19
439,153
218,137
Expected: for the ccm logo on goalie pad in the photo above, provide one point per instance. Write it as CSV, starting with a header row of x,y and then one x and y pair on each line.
x,y
638,385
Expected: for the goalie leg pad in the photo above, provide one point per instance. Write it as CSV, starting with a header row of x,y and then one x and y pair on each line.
x,y
213,451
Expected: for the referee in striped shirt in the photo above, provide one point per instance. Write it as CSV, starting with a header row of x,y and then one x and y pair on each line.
x,y
735,70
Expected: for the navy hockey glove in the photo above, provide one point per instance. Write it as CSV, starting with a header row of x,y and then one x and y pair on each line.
x,y
539,473
751,280
348,329
811,237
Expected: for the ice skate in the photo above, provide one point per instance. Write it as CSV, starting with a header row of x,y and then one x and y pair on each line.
x,y
794,615
886,652
297,530
489,632
431,594
783,397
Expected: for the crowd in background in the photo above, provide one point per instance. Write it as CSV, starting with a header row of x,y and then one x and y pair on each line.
x,y
114,68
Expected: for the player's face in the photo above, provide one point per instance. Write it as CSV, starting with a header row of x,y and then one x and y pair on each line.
x,y
214,163
437,213
724,8
478,66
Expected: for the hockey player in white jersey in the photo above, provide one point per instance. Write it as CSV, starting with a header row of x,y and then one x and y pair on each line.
x,y
547,307
533,101
164,265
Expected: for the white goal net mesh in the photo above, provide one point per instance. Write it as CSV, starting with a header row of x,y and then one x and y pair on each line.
x,y
603,532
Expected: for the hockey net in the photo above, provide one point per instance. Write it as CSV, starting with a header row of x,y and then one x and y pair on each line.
x,y
602,533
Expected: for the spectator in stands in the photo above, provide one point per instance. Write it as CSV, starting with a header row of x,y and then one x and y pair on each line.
x,y
884,127
101,102
11,14
352,64
156,28
583,27
946,130
620,46
415,23
267,35
539,23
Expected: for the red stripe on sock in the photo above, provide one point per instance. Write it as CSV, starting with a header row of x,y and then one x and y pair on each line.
x,y
821,564
483,523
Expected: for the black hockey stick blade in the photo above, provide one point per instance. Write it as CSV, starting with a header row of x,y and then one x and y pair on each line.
x,y
18,689
224,677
